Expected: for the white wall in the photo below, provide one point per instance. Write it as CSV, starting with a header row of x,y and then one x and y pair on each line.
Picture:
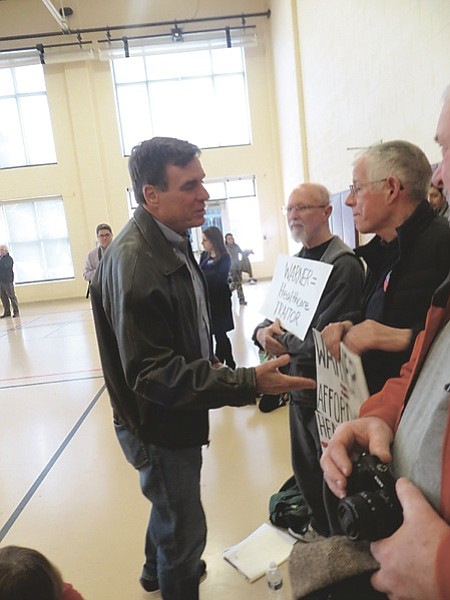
x,y
372,70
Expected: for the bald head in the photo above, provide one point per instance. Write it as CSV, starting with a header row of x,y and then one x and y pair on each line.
x,y
308,213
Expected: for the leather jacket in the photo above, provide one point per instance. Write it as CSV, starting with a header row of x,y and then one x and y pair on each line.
x,y
145,315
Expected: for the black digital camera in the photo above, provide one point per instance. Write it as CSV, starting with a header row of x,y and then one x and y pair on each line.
x,y
371,511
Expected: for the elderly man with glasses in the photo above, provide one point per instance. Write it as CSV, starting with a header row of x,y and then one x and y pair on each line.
x,y
407,259
308,213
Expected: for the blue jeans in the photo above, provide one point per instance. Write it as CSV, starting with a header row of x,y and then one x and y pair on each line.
x,y
176,532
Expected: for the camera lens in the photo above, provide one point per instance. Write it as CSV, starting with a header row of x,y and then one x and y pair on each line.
x,y
369,515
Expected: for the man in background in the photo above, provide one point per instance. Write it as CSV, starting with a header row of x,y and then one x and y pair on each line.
x,y
104,235
308,214
7,292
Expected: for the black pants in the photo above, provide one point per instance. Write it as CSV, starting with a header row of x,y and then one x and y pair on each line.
x,y
306,452
223,350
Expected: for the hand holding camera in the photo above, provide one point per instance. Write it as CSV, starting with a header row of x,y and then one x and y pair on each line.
x,y
371,510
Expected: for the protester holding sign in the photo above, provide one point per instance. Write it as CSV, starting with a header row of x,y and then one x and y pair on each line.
x,y
407,259
308,213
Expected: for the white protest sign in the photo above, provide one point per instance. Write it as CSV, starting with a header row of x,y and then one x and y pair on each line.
x,y
341,388
295,291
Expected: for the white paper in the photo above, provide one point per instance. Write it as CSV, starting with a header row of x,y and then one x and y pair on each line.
x,y
295,292
252,556
341,388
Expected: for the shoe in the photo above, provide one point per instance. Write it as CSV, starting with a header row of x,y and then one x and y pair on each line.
x,y
16,315
5,315
152,584
307,534
252,281
242,302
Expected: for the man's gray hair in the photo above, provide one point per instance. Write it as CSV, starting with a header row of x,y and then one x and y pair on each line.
x,y
403,160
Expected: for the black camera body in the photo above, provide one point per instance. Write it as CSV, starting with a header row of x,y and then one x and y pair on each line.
x,y
371,511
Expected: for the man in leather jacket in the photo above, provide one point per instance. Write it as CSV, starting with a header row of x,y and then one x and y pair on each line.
x,y
153,328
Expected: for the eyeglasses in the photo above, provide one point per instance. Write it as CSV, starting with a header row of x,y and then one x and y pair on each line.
x,y
357,187
299,208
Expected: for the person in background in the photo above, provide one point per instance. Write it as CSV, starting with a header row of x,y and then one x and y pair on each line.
x,y
438,201
26,574
104,235
151,316
308,214
407,259
7,292
236,254
215,264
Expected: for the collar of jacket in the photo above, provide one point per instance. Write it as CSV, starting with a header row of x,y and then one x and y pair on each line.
x,y
407,232
157,241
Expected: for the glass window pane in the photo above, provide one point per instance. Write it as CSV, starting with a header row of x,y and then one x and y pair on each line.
x,y
127,70
238,188
28,261
231,100
36,233
29,78
134,112
215,189
22,222
194,64
185,99
52,220
162,66
6,82
58,259
12,151
229,60
38,129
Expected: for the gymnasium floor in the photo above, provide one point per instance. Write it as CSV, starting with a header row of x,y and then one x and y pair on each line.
x,y
66,488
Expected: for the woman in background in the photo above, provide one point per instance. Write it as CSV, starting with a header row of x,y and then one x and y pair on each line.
x,y
215,264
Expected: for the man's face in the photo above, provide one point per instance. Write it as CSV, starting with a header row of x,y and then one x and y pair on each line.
x,y
183,204
442,174
104,237
368,202
3,251
306,216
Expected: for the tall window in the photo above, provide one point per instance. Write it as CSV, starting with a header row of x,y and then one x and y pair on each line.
x,y
233,207
35,231
200,96
26,136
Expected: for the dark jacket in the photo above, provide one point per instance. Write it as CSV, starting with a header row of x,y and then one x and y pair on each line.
x,y
216,274
6,269
145,317
342,292
401,279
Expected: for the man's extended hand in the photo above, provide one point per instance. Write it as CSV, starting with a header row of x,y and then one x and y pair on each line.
x,y
370,434
265,336
408,558
269,380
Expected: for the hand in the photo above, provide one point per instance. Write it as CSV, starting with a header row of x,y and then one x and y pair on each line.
x,y
332,336
265,336
269,380
408,558
371,335
349,439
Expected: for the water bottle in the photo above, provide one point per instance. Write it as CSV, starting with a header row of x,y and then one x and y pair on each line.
x,y
275,582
